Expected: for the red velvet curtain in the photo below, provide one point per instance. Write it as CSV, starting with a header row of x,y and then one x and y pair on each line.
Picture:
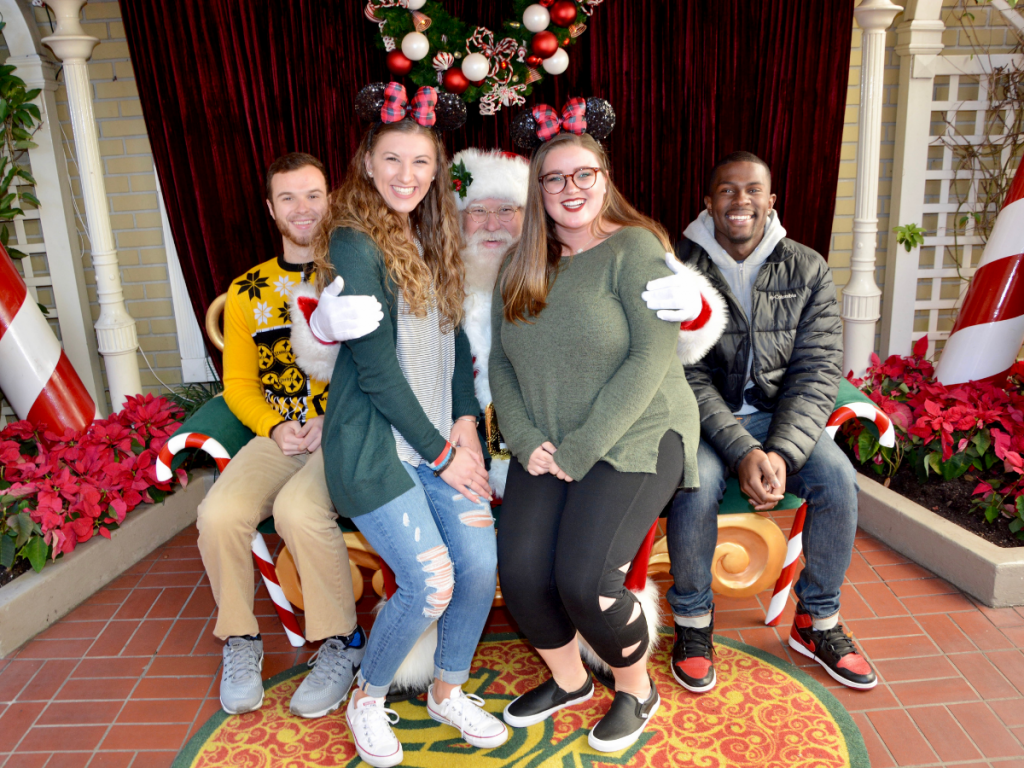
x,y
228,85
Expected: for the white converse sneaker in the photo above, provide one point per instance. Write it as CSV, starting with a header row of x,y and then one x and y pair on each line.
x,y
370,723
465,711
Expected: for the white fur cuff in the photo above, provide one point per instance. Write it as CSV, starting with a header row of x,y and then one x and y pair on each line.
x,y
312,356
696,342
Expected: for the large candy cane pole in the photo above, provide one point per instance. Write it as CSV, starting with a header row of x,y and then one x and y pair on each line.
x,y
989,329
36,376
260,553
785,582
265,563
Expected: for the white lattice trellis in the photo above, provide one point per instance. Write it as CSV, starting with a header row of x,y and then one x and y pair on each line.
x,y
926,295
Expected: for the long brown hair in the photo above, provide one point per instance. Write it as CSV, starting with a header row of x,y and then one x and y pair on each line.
x,y
357,204
533,264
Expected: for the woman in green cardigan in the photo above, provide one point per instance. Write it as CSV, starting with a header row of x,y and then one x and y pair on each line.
x,y
594,406
400,443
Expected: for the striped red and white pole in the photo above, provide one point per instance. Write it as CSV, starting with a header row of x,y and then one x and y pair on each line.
x,y
265,563
886,433
786,578
36,377
989,329
186,440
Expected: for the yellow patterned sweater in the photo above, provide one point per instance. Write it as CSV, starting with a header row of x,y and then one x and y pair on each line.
x,y
263,384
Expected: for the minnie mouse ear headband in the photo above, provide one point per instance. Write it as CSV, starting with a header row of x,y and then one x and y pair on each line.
x,y
389,103
533,127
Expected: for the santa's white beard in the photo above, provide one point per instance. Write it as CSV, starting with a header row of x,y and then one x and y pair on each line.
x,y
482,262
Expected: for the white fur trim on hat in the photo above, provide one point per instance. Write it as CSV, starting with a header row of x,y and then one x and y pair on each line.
x,y
499,175
313,356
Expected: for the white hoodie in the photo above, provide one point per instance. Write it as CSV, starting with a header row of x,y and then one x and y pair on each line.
x,y
740,275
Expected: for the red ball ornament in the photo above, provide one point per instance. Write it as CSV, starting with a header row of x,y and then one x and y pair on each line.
x,y
563,13
547,3
455,81
533,61
544,44
399,63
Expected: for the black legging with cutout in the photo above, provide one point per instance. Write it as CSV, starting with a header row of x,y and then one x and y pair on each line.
x,y
563,545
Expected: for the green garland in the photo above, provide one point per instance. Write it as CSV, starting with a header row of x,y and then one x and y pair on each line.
x,y
448,33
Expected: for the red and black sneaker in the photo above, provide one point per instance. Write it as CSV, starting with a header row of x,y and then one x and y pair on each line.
x,y
833,649
691,657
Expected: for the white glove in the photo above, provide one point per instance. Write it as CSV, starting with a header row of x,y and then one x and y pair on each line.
x,y
676,296
343,318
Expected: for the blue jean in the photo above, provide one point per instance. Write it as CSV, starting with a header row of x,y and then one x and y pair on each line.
x,y
443,551
827,482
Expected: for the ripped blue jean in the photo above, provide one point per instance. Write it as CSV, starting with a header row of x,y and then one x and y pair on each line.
x,y
442,549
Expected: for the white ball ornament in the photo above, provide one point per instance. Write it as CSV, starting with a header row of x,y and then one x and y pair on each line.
x,y
414,5
556,64
475,67
415,46
536,18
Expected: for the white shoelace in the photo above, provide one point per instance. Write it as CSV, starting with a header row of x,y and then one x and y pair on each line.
x,y
373,720
240,660
468,708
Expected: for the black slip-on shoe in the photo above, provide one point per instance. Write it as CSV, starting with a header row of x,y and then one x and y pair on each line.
x,y
543,701
625,720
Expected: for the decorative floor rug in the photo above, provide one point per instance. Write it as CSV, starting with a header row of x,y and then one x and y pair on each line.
x,y
764,712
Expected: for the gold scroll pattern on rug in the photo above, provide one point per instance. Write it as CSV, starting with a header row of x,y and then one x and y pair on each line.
x,y
758,715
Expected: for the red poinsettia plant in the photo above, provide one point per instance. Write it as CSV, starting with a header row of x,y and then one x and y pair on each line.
x,y
948,432
57,491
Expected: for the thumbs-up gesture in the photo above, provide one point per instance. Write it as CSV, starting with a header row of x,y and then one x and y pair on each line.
x,y
343,318
676,297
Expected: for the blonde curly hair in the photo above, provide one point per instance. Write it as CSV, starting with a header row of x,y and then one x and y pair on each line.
x,y
358,205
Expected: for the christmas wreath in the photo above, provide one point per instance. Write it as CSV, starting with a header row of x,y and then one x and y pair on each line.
x,y
435,48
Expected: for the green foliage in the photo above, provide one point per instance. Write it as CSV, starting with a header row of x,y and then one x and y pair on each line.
x,y
191,397
910,236
19,119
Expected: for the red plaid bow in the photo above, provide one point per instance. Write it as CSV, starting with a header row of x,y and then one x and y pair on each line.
x,y
396,104
572,120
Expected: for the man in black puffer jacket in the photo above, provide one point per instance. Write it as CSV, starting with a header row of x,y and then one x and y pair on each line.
x,y
765,391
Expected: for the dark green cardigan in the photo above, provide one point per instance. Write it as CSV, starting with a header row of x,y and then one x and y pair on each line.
x,y
369,393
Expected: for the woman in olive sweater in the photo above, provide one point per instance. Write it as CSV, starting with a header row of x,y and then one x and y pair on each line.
x,y
593,403
401,451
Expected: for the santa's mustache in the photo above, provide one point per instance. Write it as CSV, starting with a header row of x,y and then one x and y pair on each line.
x,y
481,236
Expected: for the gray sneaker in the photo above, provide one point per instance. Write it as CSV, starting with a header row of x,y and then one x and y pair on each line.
x,y
241,684
334,666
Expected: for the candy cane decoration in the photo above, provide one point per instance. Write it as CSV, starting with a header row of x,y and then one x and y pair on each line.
x,y
265,563
36,376
184,440
785,582
886,433
260,553
989,329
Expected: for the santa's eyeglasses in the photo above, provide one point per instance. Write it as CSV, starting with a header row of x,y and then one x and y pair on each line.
x,y
479,214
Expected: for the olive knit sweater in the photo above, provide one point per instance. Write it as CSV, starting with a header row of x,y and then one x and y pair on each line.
x,y
596,371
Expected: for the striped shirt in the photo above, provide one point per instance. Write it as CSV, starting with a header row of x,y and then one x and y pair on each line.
x,y
427,359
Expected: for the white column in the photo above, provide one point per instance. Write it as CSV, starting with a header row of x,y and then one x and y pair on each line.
x,y
918,44
195,364
861,296
115,329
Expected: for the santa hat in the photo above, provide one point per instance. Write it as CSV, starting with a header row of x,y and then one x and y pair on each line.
x,y
499,175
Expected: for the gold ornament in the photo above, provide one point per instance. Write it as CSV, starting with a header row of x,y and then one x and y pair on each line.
x,y
575,30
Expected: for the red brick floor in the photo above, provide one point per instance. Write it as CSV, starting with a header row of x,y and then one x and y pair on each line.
x,y
128,676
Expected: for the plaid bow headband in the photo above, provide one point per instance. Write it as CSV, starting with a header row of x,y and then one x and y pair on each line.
x,y
572,120
396,105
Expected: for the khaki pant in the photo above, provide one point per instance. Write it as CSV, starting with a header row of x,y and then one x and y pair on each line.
x,y
259,482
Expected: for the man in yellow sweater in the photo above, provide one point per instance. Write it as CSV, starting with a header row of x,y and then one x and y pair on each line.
x,y
281,471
